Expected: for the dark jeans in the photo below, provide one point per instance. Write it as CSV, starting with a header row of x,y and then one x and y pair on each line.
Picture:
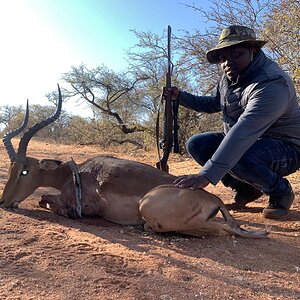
x,y
263,165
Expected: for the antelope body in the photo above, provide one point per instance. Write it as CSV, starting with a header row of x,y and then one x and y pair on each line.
x,y
119,190
111,188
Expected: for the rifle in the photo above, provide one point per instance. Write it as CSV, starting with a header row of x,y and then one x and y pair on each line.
x,y
170,122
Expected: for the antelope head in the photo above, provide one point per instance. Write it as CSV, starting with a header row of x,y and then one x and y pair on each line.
x,y
26,173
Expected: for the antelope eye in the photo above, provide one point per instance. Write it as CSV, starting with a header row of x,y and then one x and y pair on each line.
x,y
24,172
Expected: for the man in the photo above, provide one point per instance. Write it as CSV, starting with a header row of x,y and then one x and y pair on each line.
x,y
261,139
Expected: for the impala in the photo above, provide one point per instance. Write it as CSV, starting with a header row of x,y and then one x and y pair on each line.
x,y
119,190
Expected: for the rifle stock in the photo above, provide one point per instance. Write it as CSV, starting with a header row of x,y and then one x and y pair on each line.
x,y
170,125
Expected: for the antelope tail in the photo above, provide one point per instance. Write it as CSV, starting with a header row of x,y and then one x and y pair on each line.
x,y
235,229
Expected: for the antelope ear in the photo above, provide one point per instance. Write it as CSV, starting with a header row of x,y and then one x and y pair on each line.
x,y
49,164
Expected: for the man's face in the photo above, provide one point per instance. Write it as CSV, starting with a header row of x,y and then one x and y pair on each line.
x,y
235,60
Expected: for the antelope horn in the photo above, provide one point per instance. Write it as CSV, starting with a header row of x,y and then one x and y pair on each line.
x,y
36,127
7,138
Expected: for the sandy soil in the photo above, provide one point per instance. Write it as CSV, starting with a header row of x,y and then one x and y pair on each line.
x,y
49,257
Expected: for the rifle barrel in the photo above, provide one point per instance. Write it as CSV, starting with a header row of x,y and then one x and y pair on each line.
x,y
170,127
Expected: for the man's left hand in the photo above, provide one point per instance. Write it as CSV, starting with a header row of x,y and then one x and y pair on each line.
x,y
191,181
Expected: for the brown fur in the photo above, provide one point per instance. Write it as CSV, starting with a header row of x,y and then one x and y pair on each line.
x,y
124,192
192,212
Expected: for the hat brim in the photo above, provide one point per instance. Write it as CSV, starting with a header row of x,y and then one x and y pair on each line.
x,y
213,55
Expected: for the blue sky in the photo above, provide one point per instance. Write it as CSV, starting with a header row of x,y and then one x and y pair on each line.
x,y
41,39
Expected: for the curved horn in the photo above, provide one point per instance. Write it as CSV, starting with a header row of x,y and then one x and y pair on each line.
x,y
36,127
7,138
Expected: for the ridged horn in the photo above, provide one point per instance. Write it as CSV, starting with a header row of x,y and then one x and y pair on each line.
x,y
7,138
37,127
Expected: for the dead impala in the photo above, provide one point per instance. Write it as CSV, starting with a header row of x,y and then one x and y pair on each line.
x,y
121,191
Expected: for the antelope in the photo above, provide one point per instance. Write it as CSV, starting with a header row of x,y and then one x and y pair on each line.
x,y
119,190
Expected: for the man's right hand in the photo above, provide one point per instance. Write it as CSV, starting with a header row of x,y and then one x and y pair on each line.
x,y
172,92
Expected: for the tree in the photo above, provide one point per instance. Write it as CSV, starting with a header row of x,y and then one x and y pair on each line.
x,y
83,131
116,98
282,28
11,117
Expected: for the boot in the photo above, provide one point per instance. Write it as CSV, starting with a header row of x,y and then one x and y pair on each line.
x,y
245,194
279,206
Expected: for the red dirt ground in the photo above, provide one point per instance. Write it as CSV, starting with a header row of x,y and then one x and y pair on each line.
x,y
44,256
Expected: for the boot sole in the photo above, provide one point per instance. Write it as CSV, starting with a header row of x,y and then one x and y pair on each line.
x,y
274,213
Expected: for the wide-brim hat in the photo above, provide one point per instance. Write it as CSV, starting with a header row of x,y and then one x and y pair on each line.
x,y
233,35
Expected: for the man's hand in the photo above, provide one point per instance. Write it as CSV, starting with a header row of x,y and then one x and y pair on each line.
x,y
191,181
172,92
